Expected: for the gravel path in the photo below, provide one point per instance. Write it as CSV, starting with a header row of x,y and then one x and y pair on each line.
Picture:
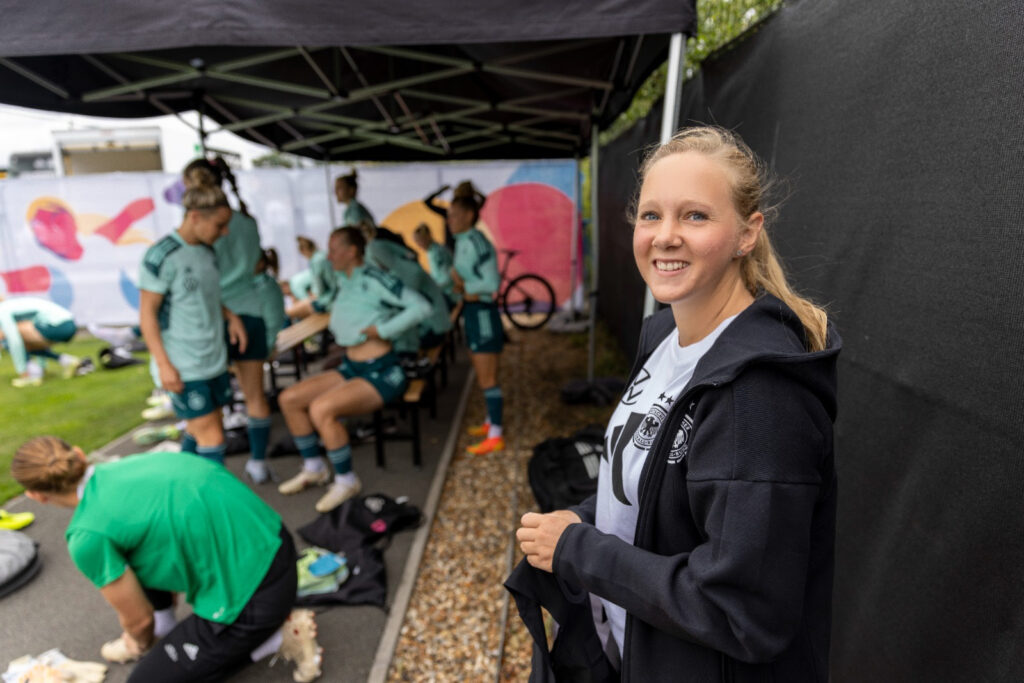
x,y
460,625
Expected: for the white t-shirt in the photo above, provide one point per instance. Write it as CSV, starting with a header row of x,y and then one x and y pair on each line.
x,y
631,431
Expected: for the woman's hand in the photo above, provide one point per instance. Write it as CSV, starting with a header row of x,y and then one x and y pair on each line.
x,y
371,333
170,380
538,536
236,331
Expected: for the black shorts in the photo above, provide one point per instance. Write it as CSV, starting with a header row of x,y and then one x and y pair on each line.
x,y
202,650
256,344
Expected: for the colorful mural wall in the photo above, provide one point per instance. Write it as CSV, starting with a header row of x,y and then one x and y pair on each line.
x,y
79,240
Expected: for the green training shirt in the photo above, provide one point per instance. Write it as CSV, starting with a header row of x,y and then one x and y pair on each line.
x,y
182,523
356,213
301,284
440,260
325,282
13,311
190,316
372,297
477,264
268,294
237,253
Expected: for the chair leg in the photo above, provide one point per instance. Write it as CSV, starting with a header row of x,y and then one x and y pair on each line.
x,y
432,389
378,429
417,456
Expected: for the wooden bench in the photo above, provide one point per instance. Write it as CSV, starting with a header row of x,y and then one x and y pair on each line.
x,y
409,404
292,337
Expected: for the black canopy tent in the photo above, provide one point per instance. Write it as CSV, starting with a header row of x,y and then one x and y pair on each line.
x,y
401,81
398,81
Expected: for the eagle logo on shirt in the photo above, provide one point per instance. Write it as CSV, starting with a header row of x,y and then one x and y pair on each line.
x,y
681,441
648,429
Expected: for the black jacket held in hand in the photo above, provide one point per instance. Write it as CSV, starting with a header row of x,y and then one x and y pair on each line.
x,y
730,577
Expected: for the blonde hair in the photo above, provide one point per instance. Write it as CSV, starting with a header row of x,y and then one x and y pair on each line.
x,y
205,198
760,268
48,465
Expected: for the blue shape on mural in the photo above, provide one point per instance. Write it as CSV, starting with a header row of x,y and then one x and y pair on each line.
x,y
61,292
129,291
559,175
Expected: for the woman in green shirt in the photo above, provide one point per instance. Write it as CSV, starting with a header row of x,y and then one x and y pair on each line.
x,y
323,284
145,527
345,189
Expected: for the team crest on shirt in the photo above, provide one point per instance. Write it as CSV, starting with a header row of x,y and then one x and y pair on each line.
x,y
648,429
191,281
681,442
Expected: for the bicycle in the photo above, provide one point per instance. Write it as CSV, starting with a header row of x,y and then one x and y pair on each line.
x,y
528,299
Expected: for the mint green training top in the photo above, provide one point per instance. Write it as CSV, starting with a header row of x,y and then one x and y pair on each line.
x,y
325,281
182,523
33,309
270,298
402,264
370,297
301,284
476,262
190,316
356,213
440,261
237,253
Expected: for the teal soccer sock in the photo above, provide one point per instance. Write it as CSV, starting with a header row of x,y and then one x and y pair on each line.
x,y
341,458
308,445
259,436
188,443
214,453
495,402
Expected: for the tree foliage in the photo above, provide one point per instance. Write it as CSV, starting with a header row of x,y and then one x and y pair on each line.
x,y
718,23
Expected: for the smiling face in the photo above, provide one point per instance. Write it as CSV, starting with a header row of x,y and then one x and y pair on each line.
x,y
687,231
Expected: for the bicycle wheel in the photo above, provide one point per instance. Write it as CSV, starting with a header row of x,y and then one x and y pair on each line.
x,y
528,301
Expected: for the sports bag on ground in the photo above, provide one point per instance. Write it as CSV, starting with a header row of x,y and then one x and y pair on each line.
x,y
563,470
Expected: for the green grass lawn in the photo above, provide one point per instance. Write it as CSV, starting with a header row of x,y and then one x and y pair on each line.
x,y
89,411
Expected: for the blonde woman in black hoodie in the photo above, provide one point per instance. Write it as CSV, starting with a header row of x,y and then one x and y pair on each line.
x,y
707,552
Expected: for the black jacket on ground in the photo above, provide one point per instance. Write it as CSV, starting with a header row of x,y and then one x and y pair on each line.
x,y
730,576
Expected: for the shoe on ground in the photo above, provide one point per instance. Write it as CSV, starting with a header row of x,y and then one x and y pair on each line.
x,y
156,399
299,646
84,367
12,521
22,382
303,480
479,430
147,436
68,365
161,411
338,494
495,443
120,652
257,471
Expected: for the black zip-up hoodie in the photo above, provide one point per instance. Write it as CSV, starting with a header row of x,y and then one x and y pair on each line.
x,y
730,576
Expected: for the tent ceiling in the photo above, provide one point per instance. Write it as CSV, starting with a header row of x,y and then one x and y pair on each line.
x,y
425,99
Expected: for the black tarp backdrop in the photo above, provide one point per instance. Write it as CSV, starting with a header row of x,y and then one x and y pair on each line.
x,y
394,81
901,129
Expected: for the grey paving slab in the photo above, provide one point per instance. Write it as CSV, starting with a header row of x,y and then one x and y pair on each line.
x,y
60,608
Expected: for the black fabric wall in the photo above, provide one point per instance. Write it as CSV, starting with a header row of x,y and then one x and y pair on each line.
x,y
900,126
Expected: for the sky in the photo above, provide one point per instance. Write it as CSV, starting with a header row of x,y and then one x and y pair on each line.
x,y
31,130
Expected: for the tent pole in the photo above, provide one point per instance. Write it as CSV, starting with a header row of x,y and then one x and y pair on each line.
x,y
330,193
595,147
575,251
202,127
670,115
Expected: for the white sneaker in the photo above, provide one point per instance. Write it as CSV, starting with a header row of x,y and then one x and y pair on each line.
x,y
161,411
257,471
119,651
304,479
338,494
298,645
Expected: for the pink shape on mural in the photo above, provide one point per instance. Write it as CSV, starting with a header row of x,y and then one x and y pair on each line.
x,y
116,226
31,279
55,229
535,219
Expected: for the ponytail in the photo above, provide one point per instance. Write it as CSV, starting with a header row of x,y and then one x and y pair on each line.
x,y
47,464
